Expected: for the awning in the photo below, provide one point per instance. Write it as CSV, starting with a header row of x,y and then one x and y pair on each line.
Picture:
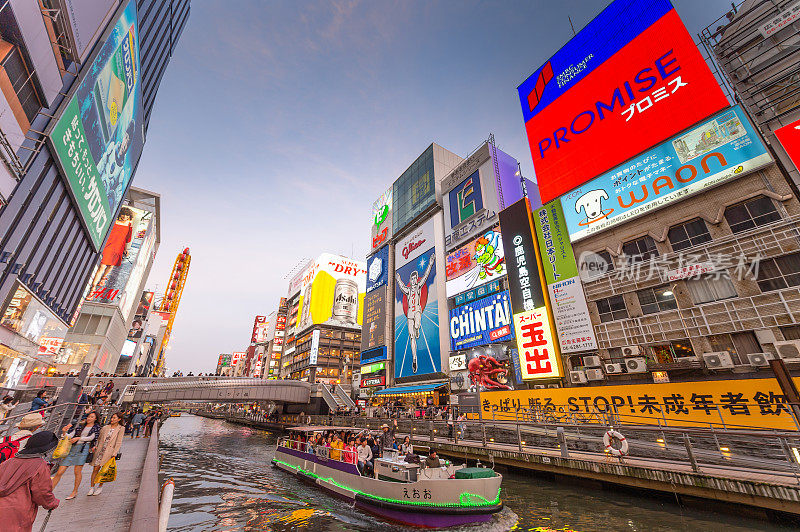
x,y
415,388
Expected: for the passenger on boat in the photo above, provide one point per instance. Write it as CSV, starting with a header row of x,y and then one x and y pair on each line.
x,y
350,453
432,460
336,448
406,447
364,456
374,447
386,439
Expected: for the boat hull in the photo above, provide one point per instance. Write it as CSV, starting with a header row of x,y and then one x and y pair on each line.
x,y
426,503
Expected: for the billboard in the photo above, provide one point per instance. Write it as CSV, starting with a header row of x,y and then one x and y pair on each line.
x,y
99,134
374,355
236,356
477,293
381,226
378,269
481,322
476,263
332,292
373,334
417,350
260,330
120,254
789,137
414,191
630,79
538,354
564,287
26,315
480,187
721,148
87,18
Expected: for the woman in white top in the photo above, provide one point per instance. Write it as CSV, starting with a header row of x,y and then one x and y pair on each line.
x,y
81,438
406,447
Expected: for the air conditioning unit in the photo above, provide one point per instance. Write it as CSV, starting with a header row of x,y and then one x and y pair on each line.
x,y
636,365
631,350
613,368
538,386
790,349
595,374
578,376
592,362
718,360
759,359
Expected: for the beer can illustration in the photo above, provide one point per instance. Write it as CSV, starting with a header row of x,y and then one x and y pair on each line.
x,y
345,302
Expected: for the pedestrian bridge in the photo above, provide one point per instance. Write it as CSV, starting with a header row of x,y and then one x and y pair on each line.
x,y
238,390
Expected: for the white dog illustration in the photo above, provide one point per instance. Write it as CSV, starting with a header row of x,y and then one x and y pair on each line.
x,y
592,205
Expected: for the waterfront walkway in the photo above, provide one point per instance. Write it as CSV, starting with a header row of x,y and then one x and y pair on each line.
x,y
112,509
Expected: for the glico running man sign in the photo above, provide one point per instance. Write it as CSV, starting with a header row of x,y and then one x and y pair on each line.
x,y
98,136
630,79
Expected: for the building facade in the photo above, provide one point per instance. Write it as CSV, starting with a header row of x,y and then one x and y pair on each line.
x,y
51,53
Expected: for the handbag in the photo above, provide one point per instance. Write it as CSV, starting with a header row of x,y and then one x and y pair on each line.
x,y
63,448
108,473
90,457
119,455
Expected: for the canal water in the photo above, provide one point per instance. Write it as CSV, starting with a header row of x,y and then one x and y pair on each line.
x,y
224,482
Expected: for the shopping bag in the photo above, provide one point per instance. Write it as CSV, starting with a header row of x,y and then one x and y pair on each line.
x,y
62,449
108,473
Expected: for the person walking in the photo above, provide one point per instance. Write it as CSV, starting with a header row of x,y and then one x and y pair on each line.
x,y
7,406
39,402
108,443
136,423
25,484
81,438
149,422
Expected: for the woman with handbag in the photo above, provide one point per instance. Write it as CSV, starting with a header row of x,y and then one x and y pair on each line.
x,y
108,443
81,438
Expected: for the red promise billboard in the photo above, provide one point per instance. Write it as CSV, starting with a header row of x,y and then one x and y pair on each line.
x,y
630,79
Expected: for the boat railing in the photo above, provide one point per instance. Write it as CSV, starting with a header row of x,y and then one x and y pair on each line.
x,y
319,451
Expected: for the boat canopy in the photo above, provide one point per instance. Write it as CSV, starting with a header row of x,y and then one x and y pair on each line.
x,y
414,388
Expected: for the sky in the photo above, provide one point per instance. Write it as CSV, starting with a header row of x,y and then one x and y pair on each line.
x,y
277,124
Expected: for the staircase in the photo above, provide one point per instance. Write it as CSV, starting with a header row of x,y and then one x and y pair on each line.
x,y
342,395
335,401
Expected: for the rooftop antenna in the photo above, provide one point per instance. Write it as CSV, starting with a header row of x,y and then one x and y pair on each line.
x,y
571,26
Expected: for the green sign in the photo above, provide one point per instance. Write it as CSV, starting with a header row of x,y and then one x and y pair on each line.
x,y
372,368
551,230
98,136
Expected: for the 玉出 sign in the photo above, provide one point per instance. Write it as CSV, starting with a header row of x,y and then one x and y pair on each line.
x,y
481,322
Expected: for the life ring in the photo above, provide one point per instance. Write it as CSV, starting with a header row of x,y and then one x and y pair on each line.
x,y
609,437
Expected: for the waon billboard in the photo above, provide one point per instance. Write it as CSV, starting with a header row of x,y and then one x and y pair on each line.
x,y
630,79
533,323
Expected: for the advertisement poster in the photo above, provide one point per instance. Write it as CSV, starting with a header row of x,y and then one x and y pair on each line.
x,y
753,403
475,191
538,354
332,292
629,79
475,263
137,326
31,318
120,255
722,148
481,322
567,299
477,293
99,136
373,334
260,330
416,329
381,226
378,269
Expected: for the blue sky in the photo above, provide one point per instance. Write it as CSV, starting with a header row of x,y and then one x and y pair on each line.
x,y
277,124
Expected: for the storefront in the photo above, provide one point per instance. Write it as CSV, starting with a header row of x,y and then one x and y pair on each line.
x,y
432,394
30,336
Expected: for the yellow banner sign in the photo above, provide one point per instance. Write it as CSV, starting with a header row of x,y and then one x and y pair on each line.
x,y
746,403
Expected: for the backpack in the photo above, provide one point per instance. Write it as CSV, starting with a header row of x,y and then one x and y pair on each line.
x,y
9,447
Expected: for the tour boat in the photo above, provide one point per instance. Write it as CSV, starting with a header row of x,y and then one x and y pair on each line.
x,y
399,491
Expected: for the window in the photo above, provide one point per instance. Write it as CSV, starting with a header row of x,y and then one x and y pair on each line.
x,y
689,234
611,308
707,289
670,353
739,345
780,272
641,249
791,332
22,82
752,213
657,299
